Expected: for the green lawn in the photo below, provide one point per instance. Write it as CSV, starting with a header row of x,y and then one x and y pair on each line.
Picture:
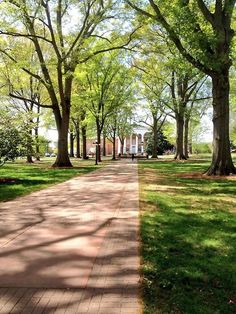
x,y
36,176
188,229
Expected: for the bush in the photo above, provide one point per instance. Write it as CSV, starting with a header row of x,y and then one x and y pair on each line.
x,y
10,145
202,148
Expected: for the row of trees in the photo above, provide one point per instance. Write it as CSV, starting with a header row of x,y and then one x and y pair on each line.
x,y
74,62
202,32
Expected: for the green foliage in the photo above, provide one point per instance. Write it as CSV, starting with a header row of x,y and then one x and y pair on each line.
x,y
162,144
43,145
169,131
202,148
188,242
10,144
104,85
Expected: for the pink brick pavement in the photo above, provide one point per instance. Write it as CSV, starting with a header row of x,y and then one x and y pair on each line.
x,y
73,248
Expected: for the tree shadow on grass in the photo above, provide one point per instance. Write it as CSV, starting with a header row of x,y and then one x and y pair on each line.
x,y
190,261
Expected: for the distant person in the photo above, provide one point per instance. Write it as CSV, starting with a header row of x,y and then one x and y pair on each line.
x,y
132,156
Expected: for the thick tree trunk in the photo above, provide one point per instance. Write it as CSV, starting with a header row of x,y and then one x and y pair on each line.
x,y
186,137
179,137
29,159
84,141
72,144
62,159
154,151
78,142
222,163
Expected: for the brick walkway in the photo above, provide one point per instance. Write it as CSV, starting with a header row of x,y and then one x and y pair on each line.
x,y
73,248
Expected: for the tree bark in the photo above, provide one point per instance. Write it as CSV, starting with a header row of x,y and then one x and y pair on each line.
x,y
190,139
122,143
72,144
186,137
37,151
99,144
84,141
179,137
114,145
78,142
62,122
99,131
222,163
154,151
104,145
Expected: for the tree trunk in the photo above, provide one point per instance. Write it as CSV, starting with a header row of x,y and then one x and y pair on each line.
x,y
99,131
72,144
29,158
186,137
104,145
78,142
222,163
114,145
179,137
154,151
190,140
36,133
190,146
99,144
122,143
62,122
84,141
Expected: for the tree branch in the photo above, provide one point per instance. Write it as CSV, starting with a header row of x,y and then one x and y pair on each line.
x,y
133,6
205,11
160,18
111,48
13,34
29,100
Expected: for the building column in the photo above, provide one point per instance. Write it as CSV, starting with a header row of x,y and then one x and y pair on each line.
x,y
136,146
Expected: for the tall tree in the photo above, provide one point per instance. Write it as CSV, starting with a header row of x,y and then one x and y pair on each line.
x,y
107,84
152,94
184,90
60,42
203,34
